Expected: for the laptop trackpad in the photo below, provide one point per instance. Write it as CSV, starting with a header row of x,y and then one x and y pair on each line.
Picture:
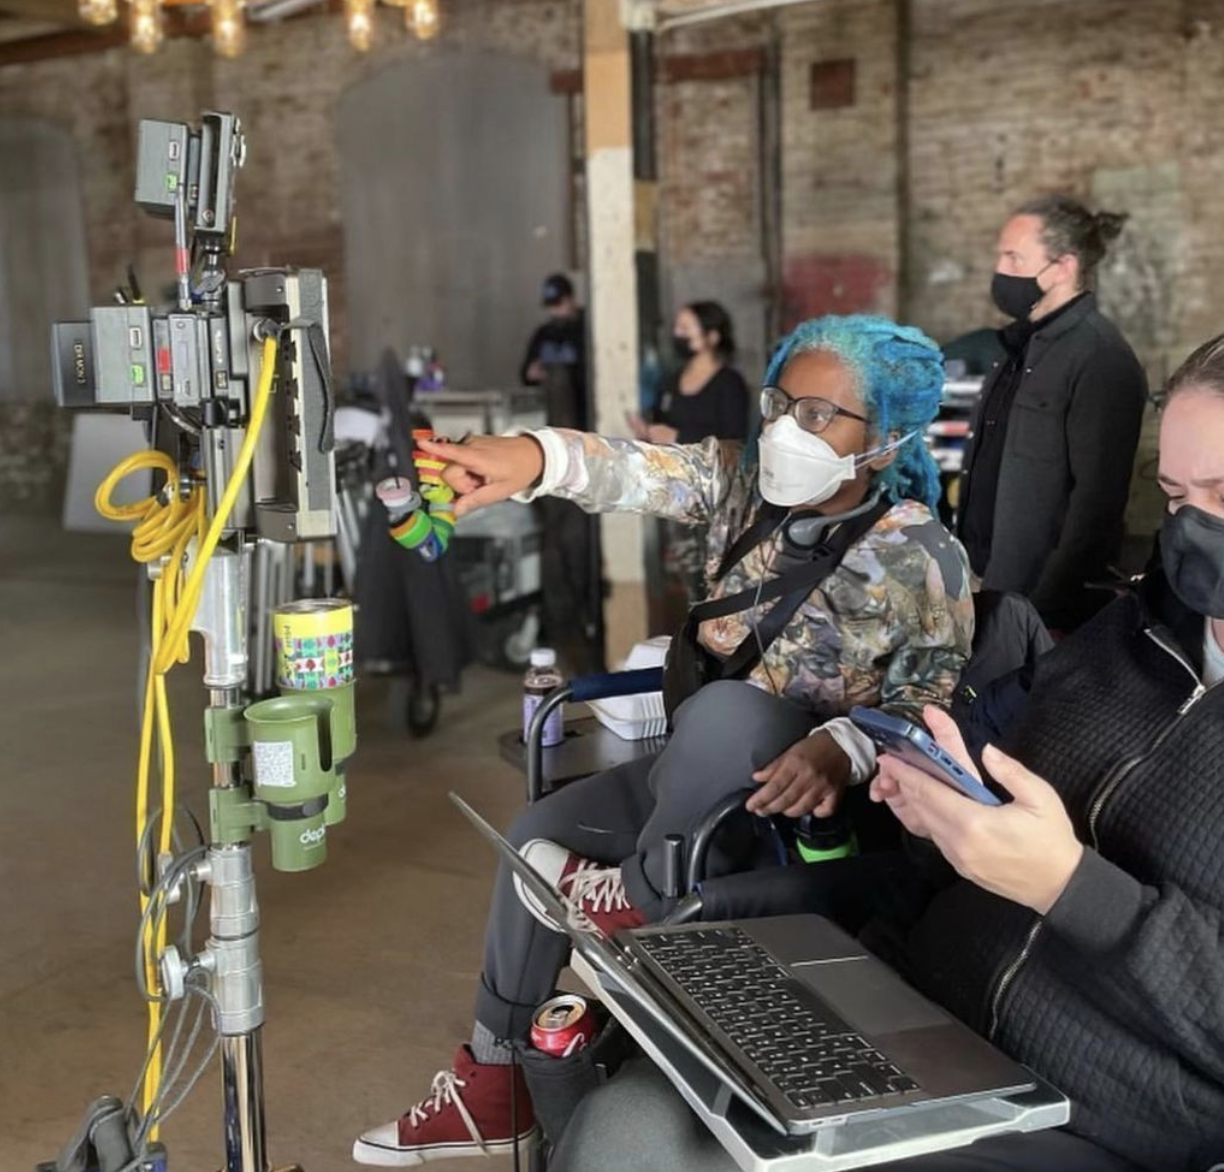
x,y
868,995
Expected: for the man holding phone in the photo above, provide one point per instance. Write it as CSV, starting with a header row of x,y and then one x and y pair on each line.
x,y
1026,852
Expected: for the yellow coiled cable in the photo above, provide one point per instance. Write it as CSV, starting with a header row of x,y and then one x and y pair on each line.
x,y
165,524
180,624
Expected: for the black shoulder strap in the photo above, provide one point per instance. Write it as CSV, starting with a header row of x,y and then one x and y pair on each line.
x,y
790,589
768,518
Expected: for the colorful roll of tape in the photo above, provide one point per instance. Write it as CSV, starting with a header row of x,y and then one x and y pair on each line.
x,y
314,644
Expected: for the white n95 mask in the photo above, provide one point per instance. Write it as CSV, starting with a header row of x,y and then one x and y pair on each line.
x,y
799,468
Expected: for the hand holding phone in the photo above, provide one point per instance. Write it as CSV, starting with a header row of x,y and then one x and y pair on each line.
x,y
915,746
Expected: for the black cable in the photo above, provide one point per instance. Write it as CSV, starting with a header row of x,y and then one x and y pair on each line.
x,y
318,350
159,1111
156,906
168,1057
130,1102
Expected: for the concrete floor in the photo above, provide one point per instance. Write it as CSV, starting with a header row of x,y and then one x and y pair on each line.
x,y
369,961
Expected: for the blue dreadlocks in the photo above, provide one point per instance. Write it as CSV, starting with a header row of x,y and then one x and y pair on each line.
x,y
899,373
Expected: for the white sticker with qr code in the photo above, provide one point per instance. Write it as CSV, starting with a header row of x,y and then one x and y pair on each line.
x,y
274,764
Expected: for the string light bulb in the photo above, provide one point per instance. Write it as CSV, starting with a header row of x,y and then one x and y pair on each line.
x,y
146,25
228,27
421,17
359,15
98,11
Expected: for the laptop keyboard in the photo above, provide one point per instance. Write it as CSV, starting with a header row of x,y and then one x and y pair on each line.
x,y
805,1049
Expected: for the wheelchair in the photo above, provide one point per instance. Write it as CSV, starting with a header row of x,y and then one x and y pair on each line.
x,y
1009,637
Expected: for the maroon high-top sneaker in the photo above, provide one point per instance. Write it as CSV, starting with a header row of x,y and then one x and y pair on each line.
x,y
467,1113
595,891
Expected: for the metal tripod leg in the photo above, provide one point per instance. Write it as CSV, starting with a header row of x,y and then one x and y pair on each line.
x,y
347,537
231,956
242,1095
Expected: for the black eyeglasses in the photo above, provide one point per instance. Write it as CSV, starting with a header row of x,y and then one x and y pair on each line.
x,y
812,414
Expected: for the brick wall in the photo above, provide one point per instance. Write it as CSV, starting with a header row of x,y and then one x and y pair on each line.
x,y
711,187
839,164
34,445
285,87
707,115
1112,100
1109,100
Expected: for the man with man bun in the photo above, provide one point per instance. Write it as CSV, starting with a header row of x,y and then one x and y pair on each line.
x,y
1047,472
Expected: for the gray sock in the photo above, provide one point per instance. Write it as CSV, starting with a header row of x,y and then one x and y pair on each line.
x,y
490,1050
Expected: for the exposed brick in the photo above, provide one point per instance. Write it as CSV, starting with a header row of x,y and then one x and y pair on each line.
x,y
833,283
1111,100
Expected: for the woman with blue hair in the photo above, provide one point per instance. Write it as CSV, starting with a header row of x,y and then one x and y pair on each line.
x,y
831,584
899,372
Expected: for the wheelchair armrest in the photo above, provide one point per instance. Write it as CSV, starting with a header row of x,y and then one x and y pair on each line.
x,y
535,740
773,891
580,689
703,836
607,684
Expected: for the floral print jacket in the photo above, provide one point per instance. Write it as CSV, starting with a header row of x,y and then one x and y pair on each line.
x,y
891,627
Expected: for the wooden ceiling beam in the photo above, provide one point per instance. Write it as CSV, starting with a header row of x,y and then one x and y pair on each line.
x,y
44,11
90,40
183,18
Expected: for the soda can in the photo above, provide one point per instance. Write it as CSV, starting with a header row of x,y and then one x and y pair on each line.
x,y
562,1026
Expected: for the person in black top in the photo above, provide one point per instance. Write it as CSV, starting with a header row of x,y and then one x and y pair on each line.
x,y
556,355
706,396
1048,469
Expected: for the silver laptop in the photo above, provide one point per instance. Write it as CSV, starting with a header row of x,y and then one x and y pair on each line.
x,y
803,1026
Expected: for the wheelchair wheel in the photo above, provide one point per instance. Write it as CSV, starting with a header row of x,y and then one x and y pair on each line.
x,y
424,707
506,642
519,641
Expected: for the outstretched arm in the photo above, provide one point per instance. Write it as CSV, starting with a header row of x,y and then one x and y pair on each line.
x,y
684,483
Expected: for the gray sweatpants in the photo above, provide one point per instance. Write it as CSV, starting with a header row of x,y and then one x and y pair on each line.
x,y
639,1123
722,735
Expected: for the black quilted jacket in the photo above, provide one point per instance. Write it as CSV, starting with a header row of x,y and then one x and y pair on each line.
x,y
1117,995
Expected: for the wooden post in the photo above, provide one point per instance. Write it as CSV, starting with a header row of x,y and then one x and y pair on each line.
x,y
612,294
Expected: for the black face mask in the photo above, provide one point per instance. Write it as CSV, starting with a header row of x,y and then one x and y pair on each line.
x,y
1192,552
683,347
1015,296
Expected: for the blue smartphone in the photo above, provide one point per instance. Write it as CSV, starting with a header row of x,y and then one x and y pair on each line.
x,y
915,746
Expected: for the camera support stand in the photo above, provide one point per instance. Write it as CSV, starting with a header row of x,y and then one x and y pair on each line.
x,y
197,367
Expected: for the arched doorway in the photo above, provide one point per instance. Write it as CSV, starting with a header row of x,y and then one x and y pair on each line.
x,y
455,198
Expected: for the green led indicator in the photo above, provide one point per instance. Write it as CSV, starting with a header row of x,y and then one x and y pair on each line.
x,y
171,181
138,372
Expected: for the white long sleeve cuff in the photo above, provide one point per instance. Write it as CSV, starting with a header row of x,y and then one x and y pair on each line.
x,y
559,471
855,743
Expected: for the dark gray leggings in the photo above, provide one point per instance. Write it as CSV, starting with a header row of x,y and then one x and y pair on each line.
x,y
638,1123
722,734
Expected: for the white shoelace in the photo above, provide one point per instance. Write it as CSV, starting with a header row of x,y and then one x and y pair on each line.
x,y
445,1090
601,887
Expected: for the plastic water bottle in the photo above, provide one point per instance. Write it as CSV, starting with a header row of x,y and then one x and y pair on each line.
x,y
541,678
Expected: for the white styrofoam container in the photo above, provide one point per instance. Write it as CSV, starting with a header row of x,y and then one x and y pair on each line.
x,y
635,718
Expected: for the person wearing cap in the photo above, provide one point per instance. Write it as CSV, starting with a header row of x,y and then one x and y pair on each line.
x,y
556,354
556,362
